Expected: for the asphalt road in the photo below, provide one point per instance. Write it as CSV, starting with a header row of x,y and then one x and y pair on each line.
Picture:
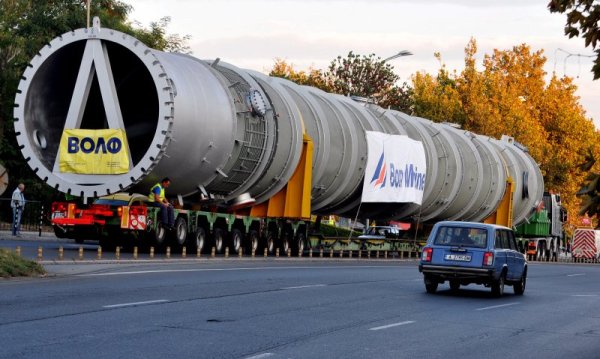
x,y
293,309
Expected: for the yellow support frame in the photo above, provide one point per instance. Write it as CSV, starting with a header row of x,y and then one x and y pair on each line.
x,y
504,213
294,200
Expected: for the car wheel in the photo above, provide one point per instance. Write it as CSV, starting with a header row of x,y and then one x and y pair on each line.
x,y
519,287
498,286
430,285
454,285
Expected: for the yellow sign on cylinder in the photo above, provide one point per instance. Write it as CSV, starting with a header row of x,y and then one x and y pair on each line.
x,y
101,152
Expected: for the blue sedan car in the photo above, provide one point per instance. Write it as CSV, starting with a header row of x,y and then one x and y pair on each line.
x,y
463,253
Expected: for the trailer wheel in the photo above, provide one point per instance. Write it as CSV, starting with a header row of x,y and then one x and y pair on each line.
x,y
199,238
299,243
218,240
270,242
285,242
541,251
180,231
236,240
107,244
160,234
253,241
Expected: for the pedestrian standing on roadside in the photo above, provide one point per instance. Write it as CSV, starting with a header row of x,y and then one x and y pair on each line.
x,y
17,204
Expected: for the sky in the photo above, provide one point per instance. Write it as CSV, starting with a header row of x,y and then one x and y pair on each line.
x,y
253,33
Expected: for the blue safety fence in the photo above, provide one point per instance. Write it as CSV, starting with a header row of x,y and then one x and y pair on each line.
x,y
34,218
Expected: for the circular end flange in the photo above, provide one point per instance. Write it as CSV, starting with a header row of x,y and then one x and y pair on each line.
x,y
93,79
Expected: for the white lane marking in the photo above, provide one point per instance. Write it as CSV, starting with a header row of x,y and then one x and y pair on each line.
x,y
135,303
575,275
498,306
306,286
392,325
260,356
220,270
584,295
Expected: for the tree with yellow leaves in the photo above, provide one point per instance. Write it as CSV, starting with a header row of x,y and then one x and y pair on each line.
x,y
313,77
510,95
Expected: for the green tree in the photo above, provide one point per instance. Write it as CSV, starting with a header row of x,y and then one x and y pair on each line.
x,y
156,37
356,75
370,77
25,27
583,17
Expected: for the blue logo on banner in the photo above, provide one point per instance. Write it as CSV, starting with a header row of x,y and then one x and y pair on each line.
x,y
380,175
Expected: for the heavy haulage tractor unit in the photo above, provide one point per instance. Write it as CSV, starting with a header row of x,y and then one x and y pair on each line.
x,y
251,157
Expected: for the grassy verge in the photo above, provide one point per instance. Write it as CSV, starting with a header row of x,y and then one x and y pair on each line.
x,y
12,265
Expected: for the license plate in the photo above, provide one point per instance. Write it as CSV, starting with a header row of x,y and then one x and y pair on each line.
x,y
458,257
58,215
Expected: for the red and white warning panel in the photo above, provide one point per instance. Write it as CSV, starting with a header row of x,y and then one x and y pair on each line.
x,y
586,243
134,217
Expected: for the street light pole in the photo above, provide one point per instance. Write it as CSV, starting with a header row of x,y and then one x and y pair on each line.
x,y
399,54
88,13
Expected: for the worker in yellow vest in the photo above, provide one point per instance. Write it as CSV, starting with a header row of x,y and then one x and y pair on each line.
x,y
157,195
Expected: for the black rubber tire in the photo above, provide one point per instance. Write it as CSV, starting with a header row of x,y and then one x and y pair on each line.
x,y
284,243
299,243
236,241
270,242
252,241
218,240
454,285
180,231
160,235
498,286
59,233
107,244
199,239
430,285
519,287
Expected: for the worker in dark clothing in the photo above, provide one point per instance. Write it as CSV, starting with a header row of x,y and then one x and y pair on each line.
x,y
157,195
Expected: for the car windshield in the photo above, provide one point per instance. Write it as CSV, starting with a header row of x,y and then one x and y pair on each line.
x,y
110,202
461,236
381,231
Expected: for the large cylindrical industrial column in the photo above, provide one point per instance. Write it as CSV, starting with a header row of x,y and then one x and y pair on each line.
x,y
223,133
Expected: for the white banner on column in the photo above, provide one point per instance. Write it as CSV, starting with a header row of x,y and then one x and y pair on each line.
x,y
396,169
